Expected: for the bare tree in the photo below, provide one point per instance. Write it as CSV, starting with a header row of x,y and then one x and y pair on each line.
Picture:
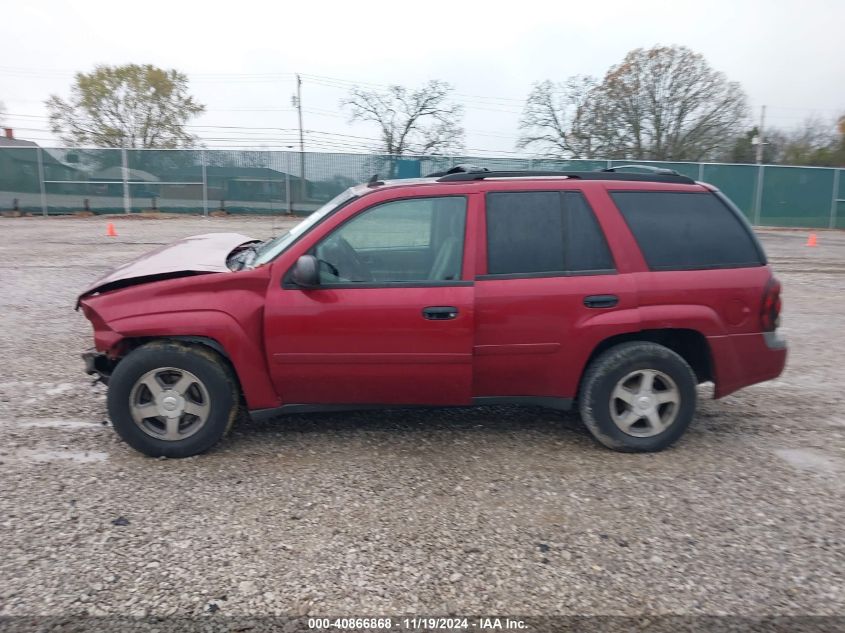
x,y
667,103
663,103
421,122
559,119
126,106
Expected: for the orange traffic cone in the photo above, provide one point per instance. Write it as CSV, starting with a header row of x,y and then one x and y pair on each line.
x,y
811,241
110,232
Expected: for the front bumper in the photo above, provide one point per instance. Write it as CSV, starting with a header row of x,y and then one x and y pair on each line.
x,y
98,364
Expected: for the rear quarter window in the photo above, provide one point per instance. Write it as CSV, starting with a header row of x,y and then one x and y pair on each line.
x,y
687,231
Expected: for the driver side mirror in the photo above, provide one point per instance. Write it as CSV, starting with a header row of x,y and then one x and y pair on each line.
x,y
306,272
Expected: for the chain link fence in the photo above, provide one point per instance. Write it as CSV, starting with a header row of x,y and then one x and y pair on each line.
x,y
53,181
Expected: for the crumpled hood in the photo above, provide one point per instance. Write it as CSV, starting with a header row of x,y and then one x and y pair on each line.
x,y
198,254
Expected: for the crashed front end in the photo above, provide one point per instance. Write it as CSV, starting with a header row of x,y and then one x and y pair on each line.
x,y
191,257
98,364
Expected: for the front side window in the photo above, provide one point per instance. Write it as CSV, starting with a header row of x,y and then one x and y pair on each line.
x,y
543,232
411,240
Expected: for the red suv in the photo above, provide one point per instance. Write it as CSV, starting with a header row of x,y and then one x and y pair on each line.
x,y
618,292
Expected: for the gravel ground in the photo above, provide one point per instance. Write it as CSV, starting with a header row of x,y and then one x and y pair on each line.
x,y
496,509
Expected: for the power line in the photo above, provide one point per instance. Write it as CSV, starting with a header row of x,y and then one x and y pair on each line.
x,y
333,82
338,82
250,127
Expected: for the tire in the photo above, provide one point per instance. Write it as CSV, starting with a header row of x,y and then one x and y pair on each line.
x,y
191,386
622,413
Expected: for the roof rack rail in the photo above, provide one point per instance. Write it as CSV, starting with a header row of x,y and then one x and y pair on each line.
x,y
648,168
577,175
463,168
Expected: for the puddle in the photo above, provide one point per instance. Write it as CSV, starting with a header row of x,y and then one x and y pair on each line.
x,y
56,423
811,459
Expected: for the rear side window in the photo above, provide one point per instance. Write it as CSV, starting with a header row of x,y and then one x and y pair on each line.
x,y
687,231
543,232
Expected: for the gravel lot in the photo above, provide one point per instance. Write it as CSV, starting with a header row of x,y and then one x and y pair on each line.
x,y
497,509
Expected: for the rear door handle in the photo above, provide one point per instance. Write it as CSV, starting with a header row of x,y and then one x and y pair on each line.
x,y
601,301
440,313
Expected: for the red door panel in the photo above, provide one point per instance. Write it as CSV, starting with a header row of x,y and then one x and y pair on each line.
x,y
534,335
370,345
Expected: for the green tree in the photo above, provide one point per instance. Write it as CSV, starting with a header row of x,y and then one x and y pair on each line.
x,y
129,106
816,142
744,149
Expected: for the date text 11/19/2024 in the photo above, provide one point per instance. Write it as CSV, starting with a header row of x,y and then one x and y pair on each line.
x,y
417,623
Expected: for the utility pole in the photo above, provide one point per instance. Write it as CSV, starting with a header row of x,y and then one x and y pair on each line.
x,y
301,138
287,178
758,194
124,170
760,140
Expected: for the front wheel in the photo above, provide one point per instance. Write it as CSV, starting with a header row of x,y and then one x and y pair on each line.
x,y
638,397
167,399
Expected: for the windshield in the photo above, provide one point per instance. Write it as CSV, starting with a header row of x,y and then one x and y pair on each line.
x,y
271,249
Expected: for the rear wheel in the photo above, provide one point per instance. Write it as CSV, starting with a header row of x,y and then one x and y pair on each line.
x,y
172,400
638,397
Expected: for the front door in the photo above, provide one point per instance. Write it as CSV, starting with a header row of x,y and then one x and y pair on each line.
x,y
392,320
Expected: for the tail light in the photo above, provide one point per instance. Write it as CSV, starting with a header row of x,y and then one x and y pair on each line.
x,y
770,308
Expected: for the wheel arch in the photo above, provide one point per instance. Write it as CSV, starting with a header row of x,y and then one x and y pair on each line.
x,y
127,345
689,344
221,333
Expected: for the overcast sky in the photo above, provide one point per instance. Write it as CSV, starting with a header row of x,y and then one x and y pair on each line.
x,y
241,56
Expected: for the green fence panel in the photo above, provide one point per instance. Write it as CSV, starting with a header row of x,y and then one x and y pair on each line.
x,y
408,168
252,181
19,181
838,202
327,175
84,180
737,182
274,182
165,180
796,196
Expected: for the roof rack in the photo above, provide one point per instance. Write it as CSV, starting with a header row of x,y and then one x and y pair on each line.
x,y
648,168
577,175
463,168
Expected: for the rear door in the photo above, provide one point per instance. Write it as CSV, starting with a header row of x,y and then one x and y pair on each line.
x,y
392,320
547,274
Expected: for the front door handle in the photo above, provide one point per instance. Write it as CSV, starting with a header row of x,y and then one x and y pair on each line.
x,y
601,301
440,313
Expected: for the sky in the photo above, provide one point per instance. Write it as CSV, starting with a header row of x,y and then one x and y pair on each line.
x,y
242,57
